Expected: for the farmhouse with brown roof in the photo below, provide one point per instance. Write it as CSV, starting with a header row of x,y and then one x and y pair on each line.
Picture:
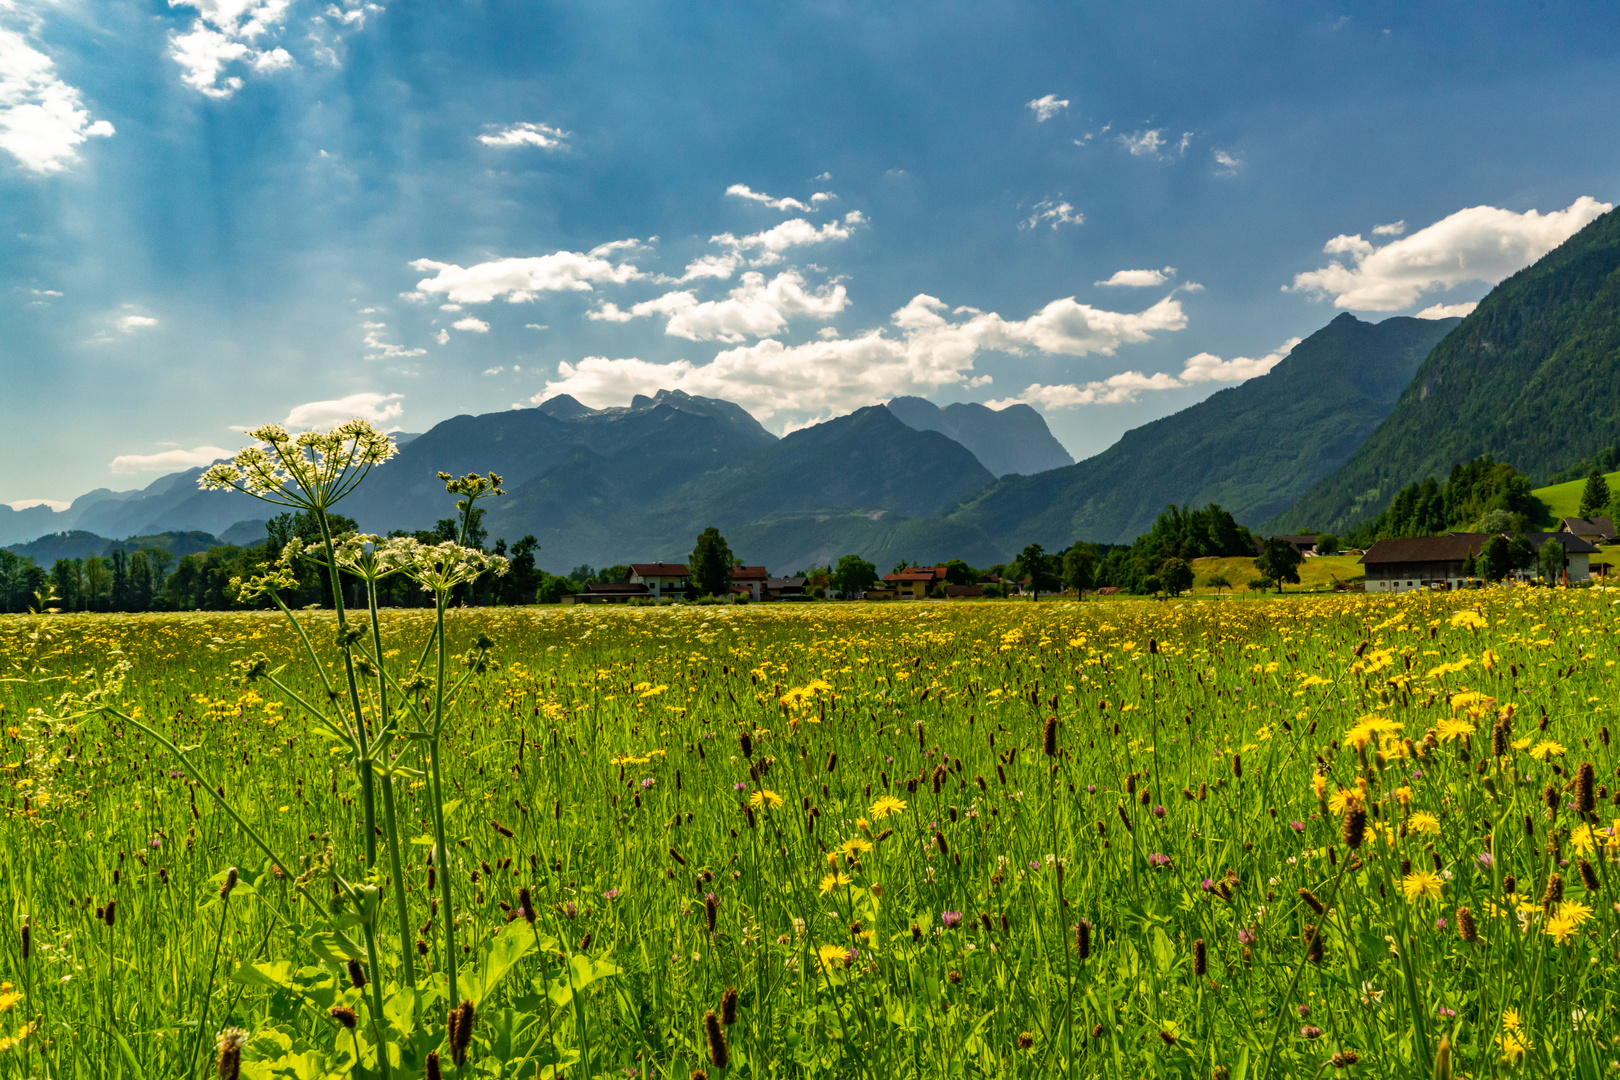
x,y
1417,562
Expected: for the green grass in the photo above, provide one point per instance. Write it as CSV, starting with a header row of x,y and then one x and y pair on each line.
x,y
1564,500
1316,574
611,746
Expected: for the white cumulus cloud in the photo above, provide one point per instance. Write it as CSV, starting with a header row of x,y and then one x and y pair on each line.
x,y
544,136
1394,228
380,349
755,308
1481,243
1127,386
1110,391
42,119
767,247
130,323
471,325
168,460
1207,367
1047,212
1139,279
1448,311
366,405
1046,106
227,32
923,350
743,191
522,279
1227,164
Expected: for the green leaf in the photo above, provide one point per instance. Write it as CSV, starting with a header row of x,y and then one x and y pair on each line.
x,y
129,1056
1164,953
333,948
275,974
496,957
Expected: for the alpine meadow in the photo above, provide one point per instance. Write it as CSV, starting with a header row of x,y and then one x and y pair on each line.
x,y
1357,834
1016,540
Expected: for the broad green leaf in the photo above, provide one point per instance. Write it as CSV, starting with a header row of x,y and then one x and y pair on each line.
x,y
333,948
496,957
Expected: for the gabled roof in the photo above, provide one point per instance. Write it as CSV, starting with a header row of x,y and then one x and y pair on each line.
x,y
785,583
1572,543
615,587
1453,547
1592,526
659,569
916,575
750,573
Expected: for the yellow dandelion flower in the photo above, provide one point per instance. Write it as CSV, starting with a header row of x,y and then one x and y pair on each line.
x,y
1423,822
1421,884
886,805
831,957
1343,799
1451,730
832,881
1546,748
764,798
1319,785
1566,921
1468,620
855,845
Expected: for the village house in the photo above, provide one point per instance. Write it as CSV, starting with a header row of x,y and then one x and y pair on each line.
x,y
918,583
785,588
1580,552
608,592
1418,562
750,581
1422,562
1594,530
661,578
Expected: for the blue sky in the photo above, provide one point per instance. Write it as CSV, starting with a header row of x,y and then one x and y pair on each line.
x,y
230,211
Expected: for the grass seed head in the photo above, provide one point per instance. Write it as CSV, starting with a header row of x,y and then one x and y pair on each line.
x,y
345,1016
719,1053
1585,789
728,1006
1354,829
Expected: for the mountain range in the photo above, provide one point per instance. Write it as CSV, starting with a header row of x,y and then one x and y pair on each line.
x,y
1530,377
1322,440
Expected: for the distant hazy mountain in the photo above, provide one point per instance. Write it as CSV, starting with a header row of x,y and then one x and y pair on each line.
x,y
21,525
1530,377
1252,448
816,494
1010,440
78,544
602,486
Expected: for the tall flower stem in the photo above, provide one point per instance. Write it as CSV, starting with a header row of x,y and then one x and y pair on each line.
x,y
390,820
363,764
441,848
208,986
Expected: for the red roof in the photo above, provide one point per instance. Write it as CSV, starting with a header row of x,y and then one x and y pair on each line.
x,y
659,569
916,575
750,573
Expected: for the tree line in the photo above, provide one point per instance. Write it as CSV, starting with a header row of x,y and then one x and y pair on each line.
x,y
153,579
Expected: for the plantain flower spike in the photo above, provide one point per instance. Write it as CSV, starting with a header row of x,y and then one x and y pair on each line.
x,y
310,471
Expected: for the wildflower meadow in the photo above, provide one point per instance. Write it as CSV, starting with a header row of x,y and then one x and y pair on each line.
x,y
1324,836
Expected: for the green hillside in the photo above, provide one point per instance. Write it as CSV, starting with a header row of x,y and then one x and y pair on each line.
x,y
1532,377
1564,500
1252,448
